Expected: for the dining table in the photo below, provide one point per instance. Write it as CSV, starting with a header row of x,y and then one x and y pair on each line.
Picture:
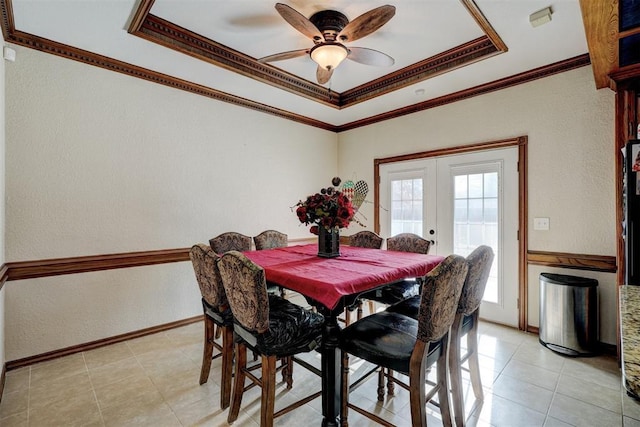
x,y
330,285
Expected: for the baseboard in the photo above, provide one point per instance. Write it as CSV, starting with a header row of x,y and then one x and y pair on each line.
x,y
19,363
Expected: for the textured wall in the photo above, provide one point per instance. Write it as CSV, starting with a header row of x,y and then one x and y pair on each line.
x,y
571,163
98,162
2,208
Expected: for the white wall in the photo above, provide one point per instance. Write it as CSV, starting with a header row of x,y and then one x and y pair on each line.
x,y
2,208
570,127
99,162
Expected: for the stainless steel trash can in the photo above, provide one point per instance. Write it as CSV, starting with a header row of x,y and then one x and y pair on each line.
x,y
569,314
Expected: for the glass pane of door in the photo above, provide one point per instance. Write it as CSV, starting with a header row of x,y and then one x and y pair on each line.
x,y
406,206
475,220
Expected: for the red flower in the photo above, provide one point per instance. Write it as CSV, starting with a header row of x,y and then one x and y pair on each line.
x,y
330,209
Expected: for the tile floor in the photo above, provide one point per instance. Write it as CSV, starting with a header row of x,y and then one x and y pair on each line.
x,y
153,381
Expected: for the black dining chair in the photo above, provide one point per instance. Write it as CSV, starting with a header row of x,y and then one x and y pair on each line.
x,y
465,324
409,346
216,313
271,327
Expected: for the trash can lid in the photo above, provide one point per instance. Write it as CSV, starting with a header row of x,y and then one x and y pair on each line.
x,y
564,279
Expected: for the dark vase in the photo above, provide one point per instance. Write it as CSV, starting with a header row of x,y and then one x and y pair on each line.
x,y
328,242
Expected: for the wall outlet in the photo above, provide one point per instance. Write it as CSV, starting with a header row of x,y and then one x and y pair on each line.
x,y
541,224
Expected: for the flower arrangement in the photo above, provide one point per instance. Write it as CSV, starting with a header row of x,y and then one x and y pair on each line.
x,y
330,208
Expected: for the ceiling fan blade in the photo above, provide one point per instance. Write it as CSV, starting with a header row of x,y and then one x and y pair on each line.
x,y
323,75
366,23
299,22
367,56
284,55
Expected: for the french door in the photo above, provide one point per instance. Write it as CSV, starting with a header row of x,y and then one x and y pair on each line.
x,y
460,202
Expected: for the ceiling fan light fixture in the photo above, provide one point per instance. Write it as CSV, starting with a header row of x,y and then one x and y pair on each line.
x,y
328,55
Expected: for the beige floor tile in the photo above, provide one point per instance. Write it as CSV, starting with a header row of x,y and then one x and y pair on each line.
x,y
579,413
106,355
128,391
495,348
580,389
500,412
542,357
190,334
63,388
602,371
532,374
630,422
151,413
150,343
16,420
168,362
630,406
82,410
553,422
115,371
46,372
13,403
524,393
16,380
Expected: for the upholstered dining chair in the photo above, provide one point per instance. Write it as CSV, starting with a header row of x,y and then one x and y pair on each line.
x,y
272,327
363,239
216,312
387,295
230,241
465,324
410,346
270,239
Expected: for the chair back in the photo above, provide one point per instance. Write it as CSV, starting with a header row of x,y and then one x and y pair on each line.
x,y
230,241
205,266
366,239
270,239
440,294
246,288
408,242
479,262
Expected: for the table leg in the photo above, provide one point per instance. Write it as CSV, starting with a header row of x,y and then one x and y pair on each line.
x,y
331,390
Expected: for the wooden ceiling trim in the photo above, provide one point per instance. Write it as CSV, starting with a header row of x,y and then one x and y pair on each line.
x,y
600,18
527,76
172,36
8,24
486,26
459,56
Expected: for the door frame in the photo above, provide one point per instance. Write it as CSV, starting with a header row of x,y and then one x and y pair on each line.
x,y
521,143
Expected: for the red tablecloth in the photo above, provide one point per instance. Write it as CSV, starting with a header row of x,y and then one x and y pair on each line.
x,y
327,280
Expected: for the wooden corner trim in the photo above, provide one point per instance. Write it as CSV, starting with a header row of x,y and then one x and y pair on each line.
x,y
4,275
603,263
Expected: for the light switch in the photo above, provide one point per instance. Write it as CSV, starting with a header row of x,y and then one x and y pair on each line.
x,y
541,223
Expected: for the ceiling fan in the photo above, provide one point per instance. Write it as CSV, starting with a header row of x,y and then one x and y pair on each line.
x,y
329,30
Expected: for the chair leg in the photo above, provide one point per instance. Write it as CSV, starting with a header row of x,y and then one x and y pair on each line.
x,y
227,367
417,380
344,404
287,372
238,382
391,386
455,373
474,365
372,307
380,389
347,317
359,312
218,332
443,385
268,391
207,353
